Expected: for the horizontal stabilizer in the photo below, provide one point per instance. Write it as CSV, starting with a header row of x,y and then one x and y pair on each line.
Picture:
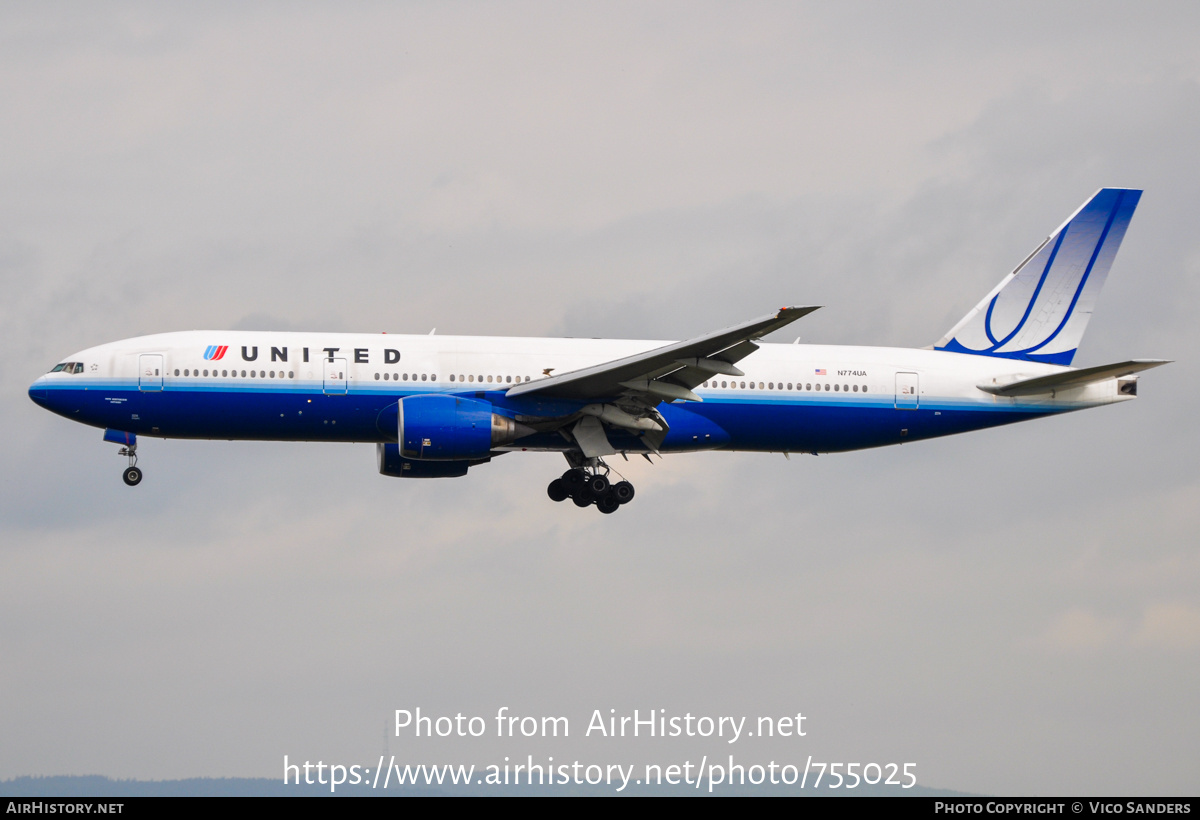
x,y
1069,378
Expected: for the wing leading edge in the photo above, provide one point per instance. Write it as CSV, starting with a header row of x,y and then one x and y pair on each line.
x,y
666,373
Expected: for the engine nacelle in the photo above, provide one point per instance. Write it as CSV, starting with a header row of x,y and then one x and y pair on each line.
x,y
451,428
393,464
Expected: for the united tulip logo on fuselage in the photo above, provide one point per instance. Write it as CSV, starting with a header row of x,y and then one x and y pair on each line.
x,y
214,352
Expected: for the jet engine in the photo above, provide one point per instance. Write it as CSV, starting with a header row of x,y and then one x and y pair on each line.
x,y
393,464
450,428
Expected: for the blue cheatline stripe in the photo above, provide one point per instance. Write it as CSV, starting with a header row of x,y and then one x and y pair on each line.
x,y
877,400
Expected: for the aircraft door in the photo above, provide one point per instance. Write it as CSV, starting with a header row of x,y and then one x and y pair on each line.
x,y
150,372
908,391
336,377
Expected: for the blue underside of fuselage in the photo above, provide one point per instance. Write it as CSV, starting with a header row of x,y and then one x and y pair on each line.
x,y
791,422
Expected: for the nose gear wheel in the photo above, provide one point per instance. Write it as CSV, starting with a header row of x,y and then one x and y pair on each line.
x,y
132,474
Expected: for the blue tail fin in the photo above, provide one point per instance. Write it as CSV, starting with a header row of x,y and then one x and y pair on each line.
x,y
1040,311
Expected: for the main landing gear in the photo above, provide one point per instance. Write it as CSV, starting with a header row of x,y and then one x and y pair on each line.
x,y
588,487
133,473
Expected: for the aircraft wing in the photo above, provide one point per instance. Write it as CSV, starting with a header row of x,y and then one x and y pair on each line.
x,y
666,373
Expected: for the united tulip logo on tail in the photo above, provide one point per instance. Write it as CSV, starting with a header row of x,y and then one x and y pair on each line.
x,y
214,352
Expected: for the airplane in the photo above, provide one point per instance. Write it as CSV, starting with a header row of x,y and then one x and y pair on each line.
x,y
436,406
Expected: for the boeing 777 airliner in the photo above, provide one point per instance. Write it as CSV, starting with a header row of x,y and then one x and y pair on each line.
x,y
438,405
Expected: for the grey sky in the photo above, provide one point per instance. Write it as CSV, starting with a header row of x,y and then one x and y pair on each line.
x,y
1016,610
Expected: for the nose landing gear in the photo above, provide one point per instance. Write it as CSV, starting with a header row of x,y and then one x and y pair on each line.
x,y
132,474
588,486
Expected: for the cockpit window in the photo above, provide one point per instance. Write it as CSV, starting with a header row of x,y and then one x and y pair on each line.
x,y
68,367
59,367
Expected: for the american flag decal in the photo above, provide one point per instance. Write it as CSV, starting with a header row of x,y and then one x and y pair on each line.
x,y
820,371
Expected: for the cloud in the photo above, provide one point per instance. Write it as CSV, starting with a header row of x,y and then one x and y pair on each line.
x,y
1174,626
1080,630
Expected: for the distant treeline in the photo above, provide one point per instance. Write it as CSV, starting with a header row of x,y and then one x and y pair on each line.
x,y
99,786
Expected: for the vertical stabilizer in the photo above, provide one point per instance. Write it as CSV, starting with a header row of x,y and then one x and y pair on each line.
x,y
1040,311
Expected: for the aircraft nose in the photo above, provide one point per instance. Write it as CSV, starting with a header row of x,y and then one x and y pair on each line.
x,y
38,392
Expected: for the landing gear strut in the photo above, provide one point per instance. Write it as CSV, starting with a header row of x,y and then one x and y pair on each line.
x,y
133,473
590,485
